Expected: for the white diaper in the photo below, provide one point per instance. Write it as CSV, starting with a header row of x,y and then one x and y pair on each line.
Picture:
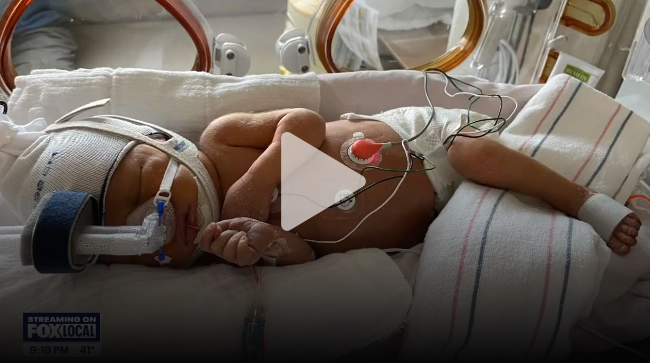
x,y
409,121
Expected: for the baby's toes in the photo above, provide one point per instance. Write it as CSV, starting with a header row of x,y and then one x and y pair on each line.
x,y
618,247
632,221
627,231
624,237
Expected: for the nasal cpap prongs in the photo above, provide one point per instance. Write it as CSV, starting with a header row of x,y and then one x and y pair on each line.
x,y
62,235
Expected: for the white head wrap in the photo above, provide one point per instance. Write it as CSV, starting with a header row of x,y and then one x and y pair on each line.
x,y
76,160
82,156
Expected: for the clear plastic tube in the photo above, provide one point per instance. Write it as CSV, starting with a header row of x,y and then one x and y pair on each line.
x,y
253,333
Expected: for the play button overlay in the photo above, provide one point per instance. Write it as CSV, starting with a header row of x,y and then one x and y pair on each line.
x,y
312,181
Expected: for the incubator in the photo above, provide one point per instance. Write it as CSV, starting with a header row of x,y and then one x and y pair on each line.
x,y
634,90
515,42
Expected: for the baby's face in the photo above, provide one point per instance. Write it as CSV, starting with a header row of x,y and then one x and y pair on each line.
x,y
137,180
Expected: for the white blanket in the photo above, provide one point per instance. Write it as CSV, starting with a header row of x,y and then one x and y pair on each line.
x,y
318,310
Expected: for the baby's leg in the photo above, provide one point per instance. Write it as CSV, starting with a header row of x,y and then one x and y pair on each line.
x,y
488,162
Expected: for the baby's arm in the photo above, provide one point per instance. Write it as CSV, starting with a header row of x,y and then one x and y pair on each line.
x,y
243,241
488,162
262,131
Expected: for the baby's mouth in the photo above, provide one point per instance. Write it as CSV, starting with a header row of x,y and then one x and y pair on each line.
x,y
190,233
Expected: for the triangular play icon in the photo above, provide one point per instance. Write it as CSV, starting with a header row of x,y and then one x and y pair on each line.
x,y
311,181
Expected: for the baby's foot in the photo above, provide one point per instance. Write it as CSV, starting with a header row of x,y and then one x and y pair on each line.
x,y
615,223
624,235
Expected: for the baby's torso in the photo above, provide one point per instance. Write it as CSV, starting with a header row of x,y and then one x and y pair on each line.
x,y
402,223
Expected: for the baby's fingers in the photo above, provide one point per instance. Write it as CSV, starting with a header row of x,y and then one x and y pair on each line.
x,y
210,234
246,255
218,246
238,250
230,248
238,224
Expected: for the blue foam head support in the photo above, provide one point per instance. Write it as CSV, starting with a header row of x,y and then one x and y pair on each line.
x,y
52,242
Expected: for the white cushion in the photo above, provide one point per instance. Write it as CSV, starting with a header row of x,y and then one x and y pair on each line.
x,y
319,310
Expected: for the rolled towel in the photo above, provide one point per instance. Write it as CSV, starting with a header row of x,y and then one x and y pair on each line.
x,y
582,134
183,102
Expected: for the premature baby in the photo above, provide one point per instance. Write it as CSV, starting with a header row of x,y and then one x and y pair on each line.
x,y
240,156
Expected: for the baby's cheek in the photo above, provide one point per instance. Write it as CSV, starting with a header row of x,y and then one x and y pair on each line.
x,y
179,255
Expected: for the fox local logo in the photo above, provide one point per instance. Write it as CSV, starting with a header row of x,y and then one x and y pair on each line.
x,y
61,327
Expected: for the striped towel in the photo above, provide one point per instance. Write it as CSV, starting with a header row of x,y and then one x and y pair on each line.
x,y
584,135
502,277
505,277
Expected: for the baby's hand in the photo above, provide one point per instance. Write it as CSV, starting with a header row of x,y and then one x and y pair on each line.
x,y
241,241
247,199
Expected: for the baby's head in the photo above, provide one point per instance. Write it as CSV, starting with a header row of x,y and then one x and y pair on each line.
x,y
122,164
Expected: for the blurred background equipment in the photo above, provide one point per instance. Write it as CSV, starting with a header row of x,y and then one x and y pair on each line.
x,y
503,41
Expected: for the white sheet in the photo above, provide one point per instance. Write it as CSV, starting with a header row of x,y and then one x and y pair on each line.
x,y
7,217
316,311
